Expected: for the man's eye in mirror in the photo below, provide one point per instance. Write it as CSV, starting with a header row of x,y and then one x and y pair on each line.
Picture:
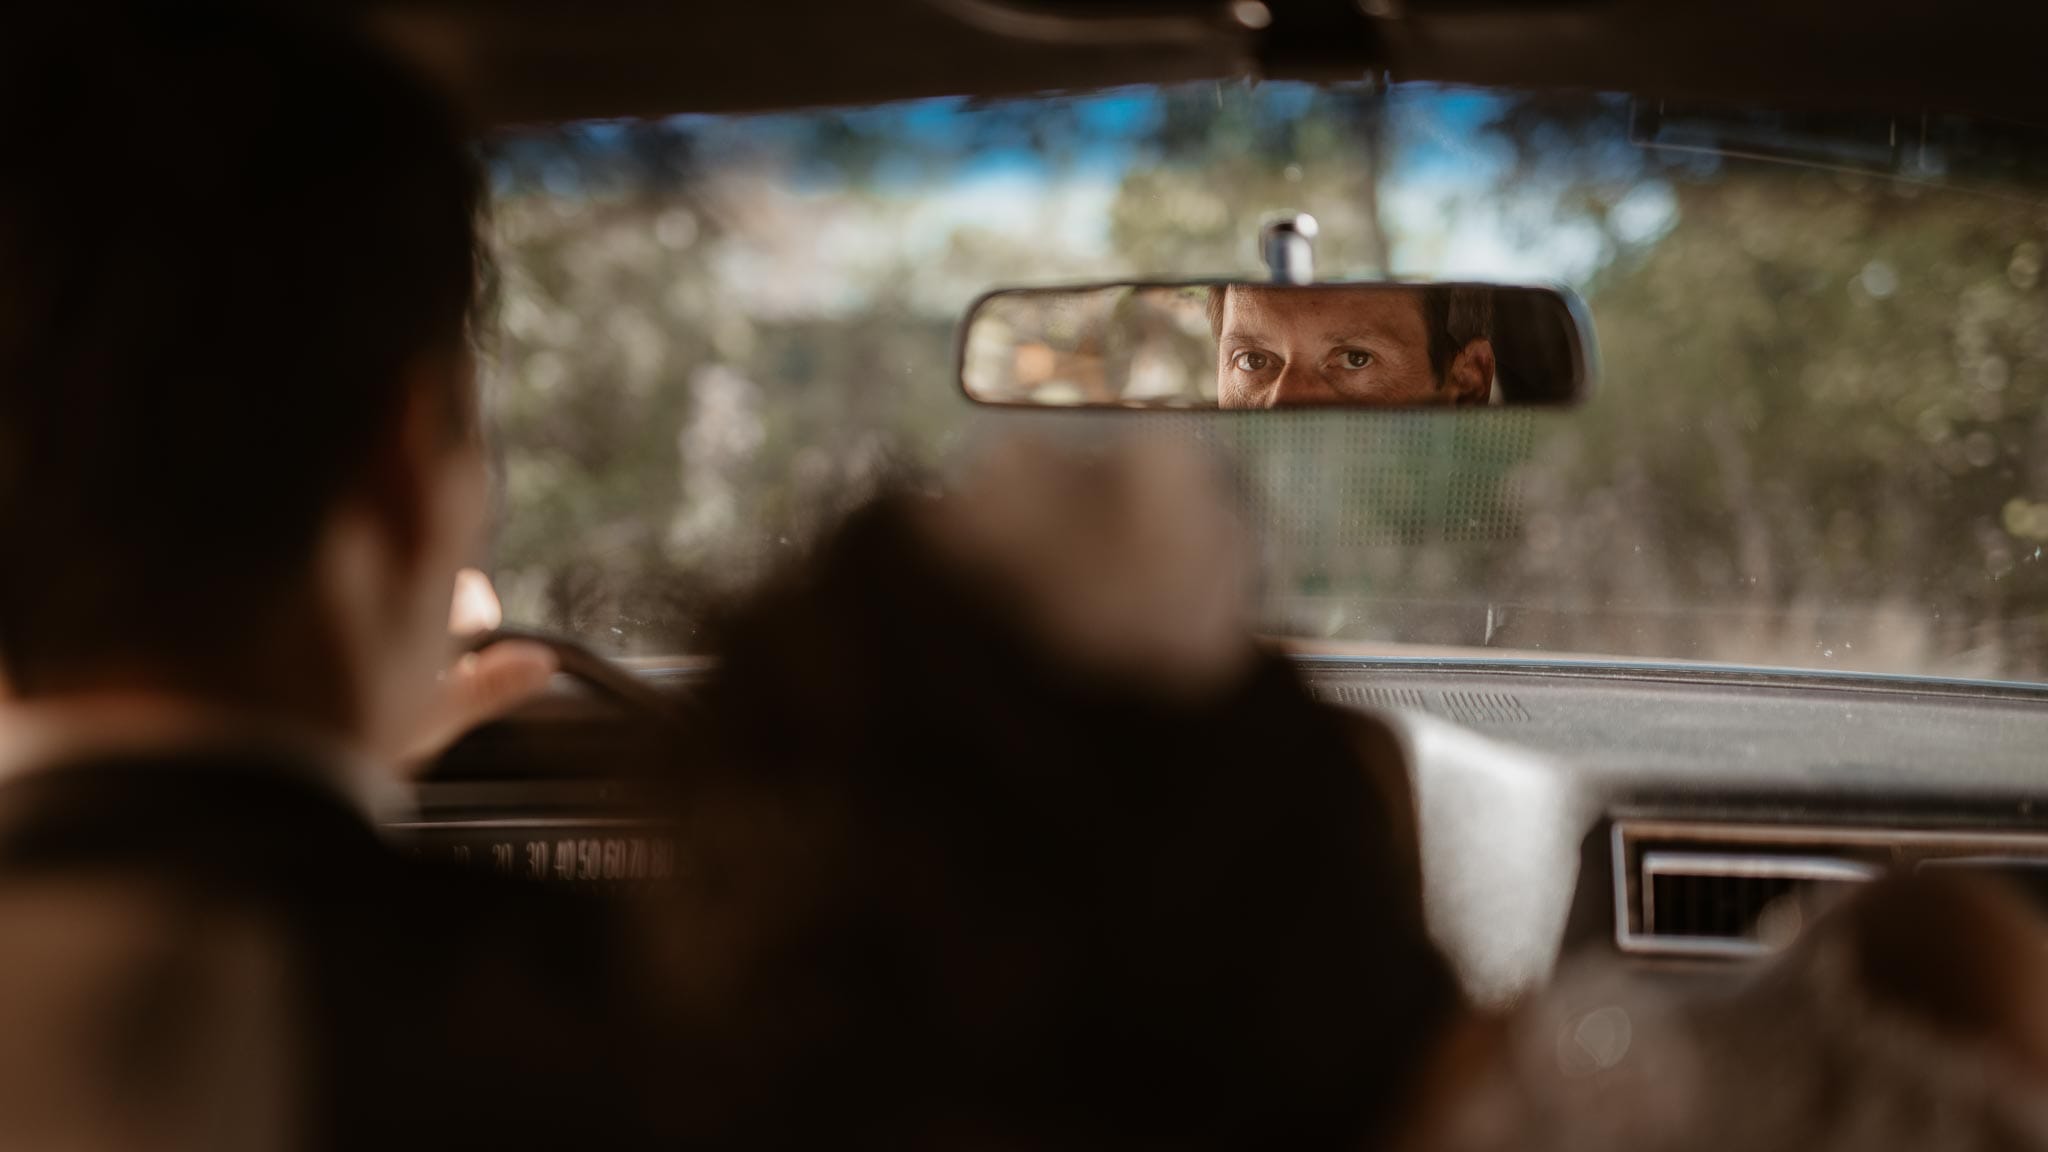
x,y
1245,345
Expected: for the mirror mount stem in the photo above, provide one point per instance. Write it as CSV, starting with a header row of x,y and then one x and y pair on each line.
x,y
1288,246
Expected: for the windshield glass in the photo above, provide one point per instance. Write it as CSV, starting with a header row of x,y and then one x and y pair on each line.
x,y
1814,442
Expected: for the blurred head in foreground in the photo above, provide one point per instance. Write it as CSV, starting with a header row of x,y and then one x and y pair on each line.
x,y
1022,843
237,451
1915,1016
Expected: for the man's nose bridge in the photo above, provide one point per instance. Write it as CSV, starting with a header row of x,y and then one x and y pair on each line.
x,y
1296,381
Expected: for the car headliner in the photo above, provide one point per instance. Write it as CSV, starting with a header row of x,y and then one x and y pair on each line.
x,y
525,61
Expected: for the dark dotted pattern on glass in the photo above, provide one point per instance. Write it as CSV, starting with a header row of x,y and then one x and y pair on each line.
x,y
1325,484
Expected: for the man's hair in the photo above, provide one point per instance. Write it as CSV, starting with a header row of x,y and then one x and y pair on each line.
x,y
225,234
1455,315
1047,906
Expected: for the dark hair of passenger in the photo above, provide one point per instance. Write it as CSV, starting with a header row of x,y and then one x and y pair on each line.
x,y
946,891
225,236
1454,315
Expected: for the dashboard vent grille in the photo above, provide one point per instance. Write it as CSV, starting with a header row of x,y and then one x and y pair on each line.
x,y
1739,900
1484,708
1711,906
1730,889
1369,697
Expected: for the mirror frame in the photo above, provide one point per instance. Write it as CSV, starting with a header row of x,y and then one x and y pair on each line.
x,y
1585,344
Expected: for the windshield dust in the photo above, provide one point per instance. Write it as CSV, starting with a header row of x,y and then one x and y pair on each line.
x,y
1813,442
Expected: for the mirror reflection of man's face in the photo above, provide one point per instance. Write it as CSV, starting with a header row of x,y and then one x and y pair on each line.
x,y
1358,345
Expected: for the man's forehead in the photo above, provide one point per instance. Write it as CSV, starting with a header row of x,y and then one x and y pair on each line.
x,y
1333,307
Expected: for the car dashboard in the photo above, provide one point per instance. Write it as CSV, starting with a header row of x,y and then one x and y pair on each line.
x,y
1676,817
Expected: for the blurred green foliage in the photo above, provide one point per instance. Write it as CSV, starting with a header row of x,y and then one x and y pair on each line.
x,y
1817,440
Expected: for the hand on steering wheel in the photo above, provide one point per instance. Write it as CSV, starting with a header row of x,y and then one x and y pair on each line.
x,y
481,685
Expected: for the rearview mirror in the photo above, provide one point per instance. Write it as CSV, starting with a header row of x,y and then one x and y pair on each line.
x,y
1250,345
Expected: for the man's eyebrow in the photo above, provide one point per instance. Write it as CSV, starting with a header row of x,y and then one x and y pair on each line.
x,y
1357,333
